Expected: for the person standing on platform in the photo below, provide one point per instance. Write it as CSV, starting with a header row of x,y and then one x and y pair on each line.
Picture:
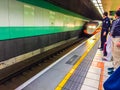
x,y
105,29
115,33
107,53
113,82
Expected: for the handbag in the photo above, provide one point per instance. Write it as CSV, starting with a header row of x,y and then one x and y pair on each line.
x,y
113,82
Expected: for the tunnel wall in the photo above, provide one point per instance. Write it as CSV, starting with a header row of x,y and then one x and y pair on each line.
x,y
27,30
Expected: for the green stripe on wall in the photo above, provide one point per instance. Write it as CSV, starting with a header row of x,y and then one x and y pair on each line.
x,y
47,5
18,32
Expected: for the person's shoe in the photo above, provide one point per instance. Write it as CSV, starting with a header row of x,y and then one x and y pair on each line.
x,y
111,68
104,59
105,54
110,73
101,49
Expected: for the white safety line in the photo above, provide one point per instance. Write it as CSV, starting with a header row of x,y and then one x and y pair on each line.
x,y
43,71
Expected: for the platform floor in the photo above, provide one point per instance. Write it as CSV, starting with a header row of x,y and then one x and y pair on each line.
x,y
74,71
97,73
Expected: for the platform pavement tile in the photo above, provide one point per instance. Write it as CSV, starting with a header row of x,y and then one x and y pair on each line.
x,y
94,63
105,78
85,87
95,70
106,71
108,64
93,76
91,82
95,59
98,57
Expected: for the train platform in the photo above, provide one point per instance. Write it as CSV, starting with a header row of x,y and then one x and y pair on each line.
x,y
80,69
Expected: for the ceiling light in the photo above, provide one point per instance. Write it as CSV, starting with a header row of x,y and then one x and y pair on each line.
x,y
99,1
100,4
96,5
94,1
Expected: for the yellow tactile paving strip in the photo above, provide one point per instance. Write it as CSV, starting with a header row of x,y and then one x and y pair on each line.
x,y
91,42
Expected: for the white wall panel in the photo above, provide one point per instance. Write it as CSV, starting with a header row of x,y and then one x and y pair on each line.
x,y
16,13
51,18
46,17
29,15
4,13
38,16
59,19
66,20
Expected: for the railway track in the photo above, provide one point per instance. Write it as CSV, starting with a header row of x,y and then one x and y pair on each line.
x,y
10,81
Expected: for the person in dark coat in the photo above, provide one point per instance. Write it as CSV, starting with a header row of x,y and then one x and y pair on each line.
x,y
105,29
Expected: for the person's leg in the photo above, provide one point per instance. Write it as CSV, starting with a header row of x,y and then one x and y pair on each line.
x,y
111,69
103,41
101,38
116,53
104,49
109,56
108,48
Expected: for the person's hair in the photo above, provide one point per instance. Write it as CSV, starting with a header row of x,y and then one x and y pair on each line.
x,y
118,12
105,13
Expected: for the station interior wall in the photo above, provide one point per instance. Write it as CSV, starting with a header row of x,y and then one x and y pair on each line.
x,y
25,29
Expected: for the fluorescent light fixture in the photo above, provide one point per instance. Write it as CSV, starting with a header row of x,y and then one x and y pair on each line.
x,y
94,1
101,7
102,10
98,5
99,1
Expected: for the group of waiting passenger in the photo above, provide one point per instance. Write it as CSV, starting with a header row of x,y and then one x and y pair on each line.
x,y
111,46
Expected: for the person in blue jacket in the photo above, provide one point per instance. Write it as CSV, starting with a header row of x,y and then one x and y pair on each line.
x,y
105,29
115,33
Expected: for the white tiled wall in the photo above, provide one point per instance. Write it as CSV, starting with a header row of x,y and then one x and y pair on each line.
x,y
4,13
38,16
16,9
16,13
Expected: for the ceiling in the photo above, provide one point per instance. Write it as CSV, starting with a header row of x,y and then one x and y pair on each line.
x,y
78,7
111,5
82,7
